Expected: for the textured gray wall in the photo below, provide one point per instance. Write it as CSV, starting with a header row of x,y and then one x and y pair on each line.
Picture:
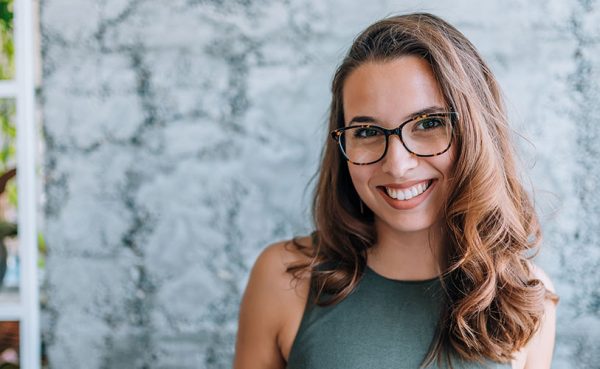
x,y
181,135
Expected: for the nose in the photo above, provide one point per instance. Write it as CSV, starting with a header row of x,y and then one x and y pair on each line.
x,y
397,160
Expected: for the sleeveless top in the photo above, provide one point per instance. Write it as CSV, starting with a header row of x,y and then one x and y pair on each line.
x,y
384,324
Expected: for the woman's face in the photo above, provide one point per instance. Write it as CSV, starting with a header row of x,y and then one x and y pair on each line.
x,y
391,92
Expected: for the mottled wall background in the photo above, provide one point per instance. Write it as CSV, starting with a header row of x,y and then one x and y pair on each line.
x,y
181,135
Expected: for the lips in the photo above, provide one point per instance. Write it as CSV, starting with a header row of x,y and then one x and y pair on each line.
x,y
406,195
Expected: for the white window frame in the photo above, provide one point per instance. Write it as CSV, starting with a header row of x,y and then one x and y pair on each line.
x,y
26,309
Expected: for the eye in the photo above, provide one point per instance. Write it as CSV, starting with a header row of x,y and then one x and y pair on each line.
x,y
366,132
430,123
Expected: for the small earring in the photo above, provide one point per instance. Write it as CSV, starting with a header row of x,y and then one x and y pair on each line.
x,y
362,210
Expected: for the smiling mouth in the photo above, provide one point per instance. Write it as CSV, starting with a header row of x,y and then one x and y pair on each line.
x,y
406,193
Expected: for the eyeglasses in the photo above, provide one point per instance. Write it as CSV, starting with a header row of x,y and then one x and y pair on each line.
x,y
424,135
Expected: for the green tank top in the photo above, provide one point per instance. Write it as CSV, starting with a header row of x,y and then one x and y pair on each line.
x,y
383,324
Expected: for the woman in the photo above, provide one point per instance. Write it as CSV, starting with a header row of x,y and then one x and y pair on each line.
x,y
421,254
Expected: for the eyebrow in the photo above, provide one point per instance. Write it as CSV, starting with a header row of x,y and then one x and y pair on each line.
x,y
369,119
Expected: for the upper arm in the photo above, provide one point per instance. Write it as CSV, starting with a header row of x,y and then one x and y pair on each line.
x,y
261,312
541,346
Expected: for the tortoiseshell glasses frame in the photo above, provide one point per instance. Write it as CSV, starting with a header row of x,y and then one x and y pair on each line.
x,y
337,134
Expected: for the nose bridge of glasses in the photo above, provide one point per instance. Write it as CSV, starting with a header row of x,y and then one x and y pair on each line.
x,y
397,158
393,132
396,132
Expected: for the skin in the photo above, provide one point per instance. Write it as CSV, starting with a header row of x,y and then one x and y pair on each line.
x,y
391,93
273,305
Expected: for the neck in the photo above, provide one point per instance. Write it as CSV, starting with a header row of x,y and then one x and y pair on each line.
x,y
400,255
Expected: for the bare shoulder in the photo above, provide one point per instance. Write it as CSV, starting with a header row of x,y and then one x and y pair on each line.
x,y
538,352
276,257
270,269
272,299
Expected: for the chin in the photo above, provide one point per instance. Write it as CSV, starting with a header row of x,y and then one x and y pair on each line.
x,y
403,225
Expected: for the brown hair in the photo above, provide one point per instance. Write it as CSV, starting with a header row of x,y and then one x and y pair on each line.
x,y
493,304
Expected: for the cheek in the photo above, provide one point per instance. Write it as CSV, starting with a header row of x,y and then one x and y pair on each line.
x,y
451,161
445,166
360,175
445,163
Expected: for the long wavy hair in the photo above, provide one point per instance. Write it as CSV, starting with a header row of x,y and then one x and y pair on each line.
x,y
493,304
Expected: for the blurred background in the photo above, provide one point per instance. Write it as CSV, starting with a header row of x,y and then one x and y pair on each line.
x,y
174,140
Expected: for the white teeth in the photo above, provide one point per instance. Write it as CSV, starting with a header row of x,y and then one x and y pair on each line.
x,y
400,195
408,193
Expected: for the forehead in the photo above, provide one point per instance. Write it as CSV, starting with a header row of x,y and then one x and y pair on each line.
x,y
391,91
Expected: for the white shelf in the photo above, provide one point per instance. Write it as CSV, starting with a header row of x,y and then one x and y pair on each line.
x,y
23,304
8,89
10,305
10,312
